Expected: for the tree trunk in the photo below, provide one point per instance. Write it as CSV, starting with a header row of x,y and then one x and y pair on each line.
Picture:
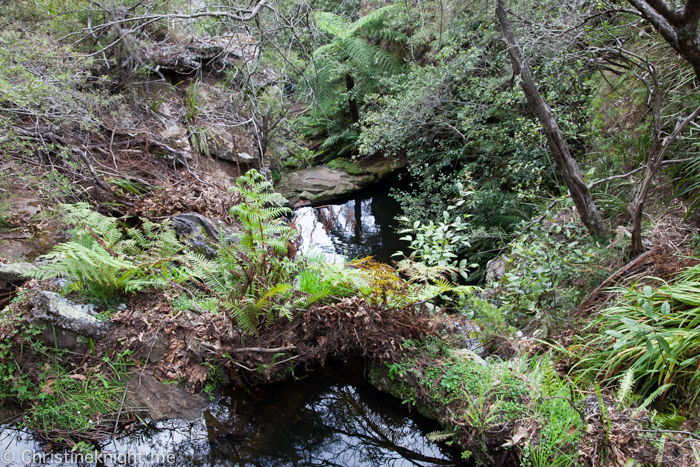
x,y
653,166
352,103
567,165
678,26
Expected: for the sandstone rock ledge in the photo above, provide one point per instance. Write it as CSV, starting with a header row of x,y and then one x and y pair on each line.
x,y
321,184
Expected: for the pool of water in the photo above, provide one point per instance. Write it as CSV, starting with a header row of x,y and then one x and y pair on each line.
x,y
361,226
332,417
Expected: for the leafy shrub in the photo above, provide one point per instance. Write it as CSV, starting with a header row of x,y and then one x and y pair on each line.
x,y
548,268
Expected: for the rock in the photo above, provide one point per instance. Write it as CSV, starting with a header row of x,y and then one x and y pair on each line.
x,y
14,272
264,78
67,325
164,401
175,135
200,230
27,206
153,349
220,143
51,308
191,223
320,184
216,54
495,269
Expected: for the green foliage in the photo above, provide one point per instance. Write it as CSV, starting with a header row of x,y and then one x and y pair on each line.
x,y
193,102
55,398
43,79
653,332
344,71
549,268
252,278
439,244
107,257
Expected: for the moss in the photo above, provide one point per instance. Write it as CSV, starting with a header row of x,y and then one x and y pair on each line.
x,y
347,165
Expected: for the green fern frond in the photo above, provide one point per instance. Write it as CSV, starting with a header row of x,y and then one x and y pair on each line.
x,y
333,24
387,63
652,397
371,18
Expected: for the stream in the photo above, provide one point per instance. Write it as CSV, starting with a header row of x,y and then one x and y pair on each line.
x,y
332,417
360,226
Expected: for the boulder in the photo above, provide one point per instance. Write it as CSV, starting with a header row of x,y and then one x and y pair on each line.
x,y
200,231
220,143
215,54
51,308
175,136
14,272
67,325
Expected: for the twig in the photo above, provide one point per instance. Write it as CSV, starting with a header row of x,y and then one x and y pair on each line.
x,y
688,433
641,167
121,406
263,350
98,180
111,142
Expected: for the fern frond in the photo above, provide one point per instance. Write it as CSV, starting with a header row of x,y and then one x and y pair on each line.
x,y
332,24
372,17
387,63
652,397
626,386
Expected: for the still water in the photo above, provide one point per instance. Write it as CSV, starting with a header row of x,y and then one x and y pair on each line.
x,y
361,226
332,417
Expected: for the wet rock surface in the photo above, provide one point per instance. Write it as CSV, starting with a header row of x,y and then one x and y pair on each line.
x,y
164,401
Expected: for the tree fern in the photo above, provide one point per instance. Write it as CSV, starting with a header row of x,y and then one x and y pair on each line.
x,y
344,71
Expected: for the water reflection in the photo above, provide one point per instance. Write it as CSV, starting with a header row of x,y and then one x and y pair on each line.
x,y
359,227
330,418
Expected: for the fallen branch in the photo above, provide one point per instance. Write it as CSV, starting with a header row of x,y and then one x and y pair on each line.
x,y
612,277
640,168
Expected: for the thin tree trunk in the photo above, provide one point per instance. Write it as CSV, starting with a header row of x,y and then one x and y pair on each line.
x,y
352,103
652,167
567,165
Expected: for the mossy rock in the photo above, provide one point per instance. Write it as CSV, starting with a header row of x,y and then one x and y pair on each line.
x,y
349,166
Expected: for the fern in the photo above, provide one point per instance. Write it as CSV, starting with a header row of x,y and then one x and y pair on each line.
x,y
626,386
343,72
108,258
252,278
